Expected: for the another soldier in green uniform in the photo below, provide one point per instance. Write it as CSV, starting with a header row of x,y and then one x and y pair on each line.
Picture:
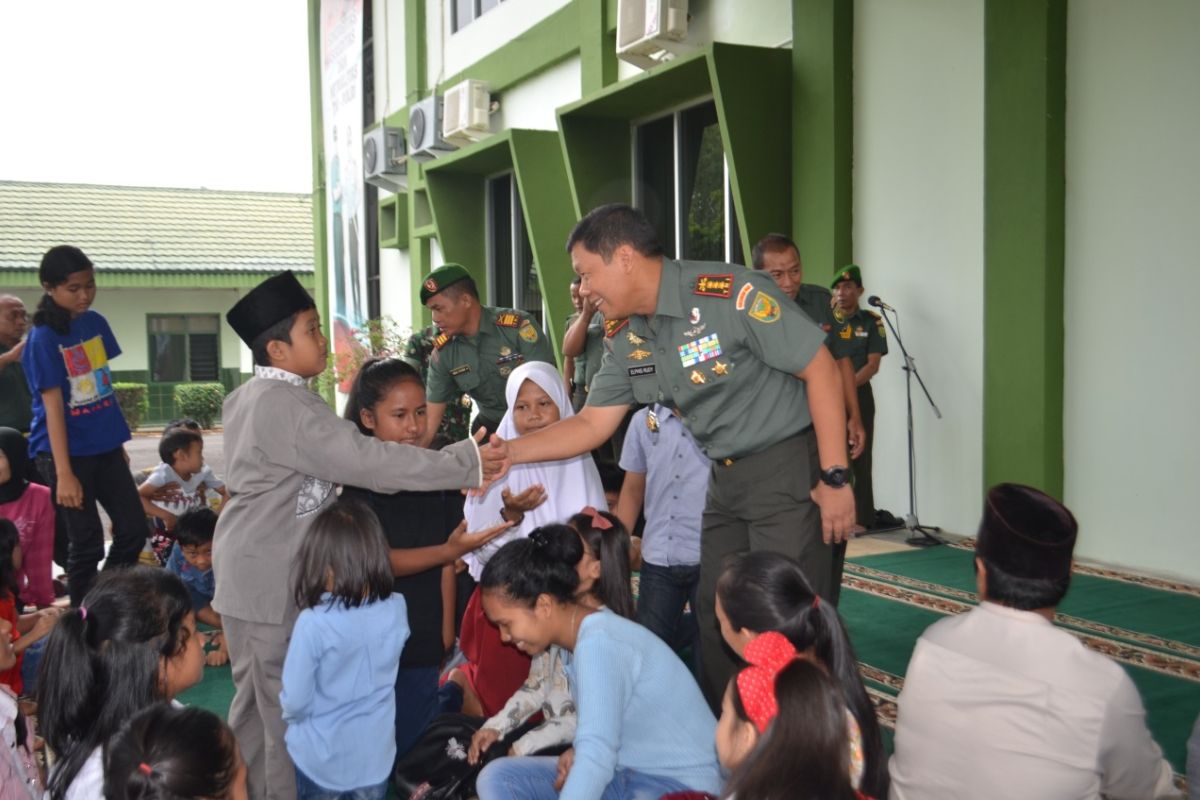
x,y
456,420
583,344
861,336
725,347
477,349
779,257
16,403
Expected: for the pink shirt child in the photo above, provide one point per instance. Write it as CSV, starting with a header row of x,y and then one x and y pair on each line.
x,y
33,514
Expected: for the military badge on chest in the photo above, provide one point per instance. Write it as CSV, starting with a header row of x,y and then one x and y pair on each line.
x,y
508,360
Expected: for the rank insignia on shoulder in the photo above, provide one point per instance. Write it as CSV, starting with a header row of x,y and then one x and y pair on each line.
x,y
528,332
462,369
611,326
714,285
743,295
764,308
509,320
879,329
440,341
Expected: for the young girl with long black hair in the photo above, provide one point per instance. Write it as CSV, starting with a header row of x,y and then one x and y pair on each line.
x,y
130,644
603,569
764,591
426,534
643,727
78,434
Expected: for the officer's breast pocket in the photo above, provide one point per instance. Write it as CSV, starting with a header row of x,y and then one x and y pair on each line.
x,y
644,382
466,379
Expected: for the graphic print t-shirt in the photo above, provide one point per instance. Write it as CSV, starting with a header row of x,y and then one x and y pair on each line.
x,y
78,364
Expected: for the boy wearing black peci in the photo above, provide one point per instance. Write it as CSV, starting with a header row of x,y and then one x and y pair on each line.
x,y
285,449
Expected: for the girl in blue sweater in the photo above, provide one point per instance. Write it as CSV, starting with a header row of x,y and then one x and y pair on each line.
x,y
339,677
644,729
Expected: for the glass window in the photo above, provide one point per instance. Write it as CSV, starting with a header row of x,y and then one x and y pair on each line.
x,y
184,348
512,275
682,185
464,12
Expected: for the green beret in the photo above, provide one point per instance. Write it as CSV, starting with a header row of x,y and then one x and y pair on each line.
x,y
847,273
440,278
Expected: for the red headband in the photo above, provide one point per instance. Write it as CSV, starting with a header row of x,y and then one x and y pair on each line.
x,y
768,653
598,520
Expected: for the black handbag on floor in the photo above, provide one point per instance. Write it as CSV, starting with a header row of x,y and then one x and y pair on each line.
x,y
436,767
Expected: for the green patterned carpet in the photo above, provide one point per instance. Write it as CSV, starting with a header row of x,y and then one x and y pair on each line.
x,y
1148,626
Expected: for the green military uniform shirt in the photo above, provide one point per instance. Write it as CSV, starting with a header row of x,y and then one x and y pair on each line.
x,y
723,346
587,363
857,336
16,403
456,421
479,365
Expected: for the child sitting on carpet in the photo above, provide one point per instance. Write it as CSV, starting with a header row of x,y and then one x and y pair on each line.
x,y
764,591
783,728
170,753
27,629
191,560
603,569
426,533
182,459
643,727
131,643
339,677
536,397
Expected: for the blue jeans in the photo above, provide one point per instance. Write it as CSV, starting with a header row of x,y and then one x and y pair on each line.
x,y
308,789
662,594
532,778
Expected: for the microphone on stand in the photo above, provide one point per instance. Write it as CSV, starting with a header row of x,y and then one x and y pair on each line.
x,y
874,300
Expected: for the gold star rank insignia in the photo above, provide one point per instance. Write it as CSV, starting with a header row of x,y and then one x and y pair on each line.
x,y
640,355
720,369
633,338
697,376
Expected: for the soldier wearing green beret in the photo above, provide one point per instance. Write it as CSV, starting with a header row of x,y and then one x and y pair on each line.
x,y
477,349
752,380
778,256
860,335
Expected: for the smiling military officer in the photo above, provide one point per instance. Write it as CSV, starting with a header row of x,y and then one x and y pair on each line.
x,y
478,347
725,347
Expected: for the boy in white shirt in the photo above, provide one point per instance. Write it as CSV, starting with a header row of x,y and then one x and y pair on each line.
x,y
182,454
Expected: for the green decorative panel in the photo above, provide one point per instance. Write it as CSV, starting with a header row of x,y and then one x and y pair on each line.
x,y
1024,222
393,221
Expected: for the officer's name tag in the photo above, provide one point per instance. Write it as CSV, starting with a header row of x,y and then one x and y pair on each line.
x,y
645,369
463,370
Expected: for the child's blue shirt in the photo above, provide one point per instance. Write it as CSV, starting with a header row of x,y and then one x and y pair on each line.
x,y
339,691
200,584
76,363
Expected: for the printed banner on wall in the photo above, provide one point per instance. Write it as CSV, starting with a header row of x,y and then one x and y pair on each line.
x,y
341,97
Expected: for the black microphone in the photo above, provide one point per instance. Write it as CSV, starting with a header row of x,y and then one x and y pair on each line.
x,y
874,300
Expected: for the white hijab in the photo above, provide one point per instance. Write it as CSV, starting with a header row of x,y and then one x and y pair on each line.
x,y
570,484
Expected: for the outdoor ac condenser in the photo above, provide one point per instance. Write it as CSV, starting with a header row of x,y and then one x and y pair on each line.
x,y
465,112
425,129
385,163
648,31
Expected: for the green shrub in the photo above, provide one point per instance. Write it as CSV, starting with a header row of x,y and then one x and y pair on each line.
x,y
200,401
134,400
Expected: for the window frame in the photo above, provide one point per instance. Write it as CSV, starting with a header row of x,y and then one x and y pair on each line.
x,y
520,246
151,345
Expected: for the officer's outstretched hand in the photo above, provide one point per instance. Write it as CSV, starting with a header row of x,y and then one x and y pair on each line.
x,y
837,512
495,460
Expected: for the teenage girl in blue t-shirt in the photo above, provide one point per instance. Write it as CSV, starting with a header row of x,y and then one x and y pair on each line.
x,y
78,434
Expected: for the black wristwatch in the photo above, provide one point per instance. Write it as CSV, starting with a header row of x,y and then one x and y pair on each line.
x,y
836,477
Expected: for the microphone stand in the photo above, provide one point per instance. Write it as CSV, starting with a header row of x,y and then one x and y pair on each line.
x,y
922,535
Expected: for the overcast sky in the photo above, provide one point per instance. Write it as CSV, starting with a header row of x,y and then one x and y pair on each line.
x,y
156,93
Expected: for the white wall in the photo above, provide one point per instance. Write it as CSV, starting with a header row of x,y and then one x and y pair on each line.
x,y
769,24
450,53
395,296
390,76
1133,208
532,103
918,236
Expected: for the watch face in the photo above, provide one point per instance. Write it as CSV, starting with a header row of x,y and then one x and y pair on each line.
x,y
836,476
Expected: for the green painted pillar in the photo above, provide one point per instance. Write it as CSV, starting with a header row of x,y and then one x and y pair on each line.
x,y
1024,183
316,117
822,133
597,47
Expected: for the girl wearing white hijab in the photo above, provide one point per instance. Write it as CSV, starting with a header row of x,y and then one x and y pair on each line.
x,y
536,397
570,484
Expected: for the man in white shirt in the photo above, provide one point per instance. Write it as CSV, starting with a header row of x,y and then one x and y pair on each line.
x,y
999,703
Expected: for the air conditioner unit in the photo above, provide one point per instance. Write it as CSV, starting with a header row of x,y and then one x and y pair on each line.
x,y
465,112
385,163
649,31
425,129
